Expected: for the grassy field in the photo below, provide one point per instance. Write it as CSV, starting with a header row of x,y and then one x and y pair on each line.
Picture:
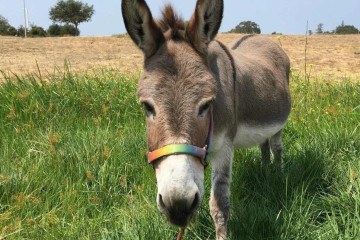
x,y
72,165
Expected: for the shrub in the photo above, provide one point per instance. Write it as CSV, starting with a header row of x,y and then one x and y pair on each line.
x,y
36,31
71,30
12,31
5,28
58,30
54,30
346,29
20,32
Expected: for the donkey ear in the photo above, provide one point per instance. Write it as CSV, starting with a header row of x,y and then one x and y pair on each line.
x,y
141,26
204,23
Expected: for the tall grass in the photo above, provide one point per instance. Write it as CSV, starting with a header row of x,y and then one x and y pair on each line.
x,y
72,165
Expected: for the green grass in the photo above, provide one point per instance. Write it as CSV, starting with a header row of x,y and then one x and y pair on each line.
x,y
72,165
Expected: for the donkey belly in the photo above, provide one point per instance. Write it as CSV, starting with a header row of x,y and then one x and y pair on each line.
x,y
251,135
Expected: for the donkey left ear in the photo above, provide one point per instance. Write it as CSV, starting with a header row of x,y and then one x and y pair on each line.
x,y
141,26
205,23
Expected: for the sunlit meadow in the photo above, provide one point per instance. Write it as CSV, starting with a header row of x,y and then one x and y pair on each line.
x,y
72,165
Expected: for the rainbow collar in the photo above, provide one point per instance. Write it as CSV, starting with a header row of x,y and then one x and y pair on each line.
x,y
173,149
179,149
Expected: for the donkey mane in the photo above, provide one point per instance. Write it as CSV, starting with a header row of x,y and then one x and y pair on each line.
x,y
171,24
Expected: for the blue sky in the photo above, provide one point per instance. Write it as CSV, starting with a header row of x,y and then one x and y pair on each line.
x,y
284,16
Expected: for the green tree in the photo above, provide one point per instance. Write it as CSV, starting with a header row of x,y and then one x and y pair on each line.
x,y
320,28
71,11
5,28
346,29
247,27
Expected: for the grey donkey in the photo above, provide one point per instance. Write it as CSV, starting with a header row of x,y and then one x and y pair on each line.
x,y
201,100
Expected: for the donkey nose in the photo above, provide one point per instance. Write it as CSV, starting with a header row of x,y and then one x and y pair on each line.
x,y
180,210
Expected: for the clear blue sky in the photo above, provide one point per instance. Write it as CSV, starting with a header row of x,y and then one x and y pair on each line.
x,y
284,16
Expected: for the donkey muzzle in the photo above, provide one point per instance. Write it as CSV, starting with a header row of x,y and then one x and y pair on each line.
x,y
180,187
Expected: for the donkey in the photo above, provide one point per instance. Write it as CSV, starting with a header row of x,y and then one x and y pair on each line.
x,y
201,99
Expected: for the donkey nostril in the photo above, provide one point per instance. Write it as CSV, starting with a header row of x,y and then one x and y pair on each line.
x,y
161,202
195,202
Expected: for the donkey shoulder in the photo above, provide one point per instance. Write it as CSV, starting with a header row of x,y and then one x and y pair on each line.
x,y
260,49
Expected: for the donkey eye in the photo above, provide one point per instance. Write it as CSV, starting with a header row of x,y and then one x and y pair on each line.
x,y
149,109
204,108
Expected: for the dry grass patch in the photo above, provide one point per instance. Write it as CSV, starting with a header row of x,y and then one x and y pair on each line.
x,y
330,55
22,56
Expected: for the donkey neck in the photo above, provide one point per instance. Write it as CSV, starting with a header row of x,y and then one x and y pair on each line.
x,y
222,65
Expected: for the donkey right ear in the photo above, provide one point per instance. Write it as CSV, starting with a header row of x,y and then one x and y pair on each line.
x,y
141,26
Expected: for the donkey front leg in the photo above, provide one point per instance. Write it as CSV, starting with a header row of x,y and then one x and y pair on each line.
x,y
220,189
276,148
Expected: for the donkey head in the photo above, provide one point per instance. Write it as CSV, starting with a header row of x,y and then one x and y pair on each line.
x,y
177,90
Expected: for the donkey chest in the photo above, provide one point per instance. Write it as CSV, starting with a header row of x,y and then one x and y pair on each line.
x,y
251,135
246,136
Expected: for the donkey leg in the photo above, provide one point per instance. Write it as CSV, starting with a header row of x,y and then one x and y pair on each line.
x,y
265,152
276,148
220,190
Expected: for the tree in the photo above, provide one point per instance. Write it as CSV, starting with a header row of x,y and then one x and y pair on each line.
x,y
5,28
71,11
346,29
247,27
320,28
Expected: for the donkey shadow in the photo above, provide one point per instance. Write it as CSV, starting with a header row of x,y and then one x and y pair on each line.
x,y
260,195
